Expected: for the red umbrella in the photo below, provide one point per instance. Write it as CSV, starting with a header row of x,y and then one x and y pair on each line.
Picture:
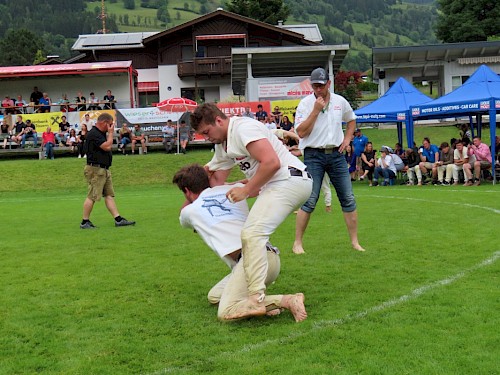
x,y
177,105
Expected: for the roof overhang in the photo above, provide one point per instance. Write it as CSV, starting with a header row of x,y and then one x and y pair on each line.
x,y
67,69
284,61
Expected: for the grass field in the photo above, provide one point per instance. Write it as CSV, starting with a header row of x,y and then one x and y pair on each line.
x,y
423,299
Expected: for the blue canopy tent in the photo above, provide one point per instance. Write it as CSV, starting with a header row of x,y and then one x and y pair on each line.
x,y
393,106
479,95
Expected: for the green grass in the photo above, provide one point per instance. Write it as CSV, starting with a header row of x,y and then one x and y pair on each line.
x,y
133,300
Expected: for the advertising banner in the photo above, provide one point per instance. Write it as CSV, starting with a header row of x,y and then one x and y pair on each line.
x,y
284,88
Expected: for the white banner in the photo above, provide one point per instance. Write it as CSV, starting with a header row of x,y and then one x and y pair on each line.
x,y
148,115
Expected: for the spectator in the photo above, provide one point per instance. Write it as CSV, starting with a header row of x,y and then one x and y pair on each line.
x,y
65,101
286,124
35,96
445,164
460,158
4,134
18,129
183,136
398,150
87,122
248,113
168,136
72,140
278,116
385,167
63,133
350,158
465,133
48,141
44,103
413,161
109,100
429,154
327,192
82,135
8,105
93,103
138,136
125,137
260,115
398,162
359,143
483,160
269,123
81,100
29,132
368,162
20,104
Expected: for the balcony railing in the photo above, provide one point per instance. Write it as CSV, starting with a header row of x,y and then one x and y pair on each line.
x,y
204,66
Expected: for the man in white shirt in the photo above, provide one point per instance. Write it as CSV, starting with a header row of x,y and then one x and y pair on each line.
x,y
219,223
318,122
87,121
270,170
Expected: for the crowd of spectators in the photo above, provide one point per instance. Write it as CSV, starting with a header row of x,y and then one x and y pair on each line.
x,y
41,102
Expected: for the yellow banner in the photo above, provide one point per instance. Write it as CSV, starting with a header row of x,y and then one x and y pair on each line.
x,y
42,120
288,107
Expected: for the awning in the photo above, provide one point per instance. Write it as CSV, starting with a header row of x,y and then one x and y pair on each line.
x,y
148,86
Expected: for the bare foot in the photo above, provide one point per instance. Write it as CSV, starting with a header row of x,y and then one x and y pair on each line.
x,y
357,246
298,249
295,303
328,208
247,309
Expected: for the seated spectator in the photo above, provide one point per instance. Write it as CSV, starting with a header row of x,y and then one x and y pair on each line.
x,y
460,158
4,134
35,96
269,123
8,105
385,167
63,133
168,136
82,135
413,160
368,163
29,132
445,164
184,133
87,122
20,104
398,161
398,150
482,161
248,113
278,116
93,103
18,130
429,154
286,124
48,141
81,100
109,100
125,137
260,115
65,104
72,140
350,158
44,103
138,136
465,133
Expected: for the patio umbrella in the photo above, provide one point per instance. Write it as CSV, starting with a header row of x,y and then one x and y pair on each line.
x,y
177,105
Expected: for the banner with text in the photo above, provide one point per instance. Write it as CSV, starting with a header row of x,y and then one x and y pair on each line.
x,y
284,88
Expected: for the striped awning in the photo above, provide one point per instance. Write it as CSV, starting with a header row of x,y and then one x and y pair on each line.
x,y
148,86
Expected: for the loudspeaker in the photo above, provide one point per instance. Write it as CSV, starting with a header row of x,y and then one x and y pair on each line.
x,y
237,89
381,74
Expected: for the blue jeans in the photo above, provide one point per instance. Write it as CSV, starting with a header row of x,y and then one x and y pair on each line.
x,y
49,150
124,141
27,136
318,163
386,172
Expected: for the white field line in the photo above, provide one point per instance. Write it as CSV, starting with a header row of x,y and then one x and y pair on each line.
x,y
323,324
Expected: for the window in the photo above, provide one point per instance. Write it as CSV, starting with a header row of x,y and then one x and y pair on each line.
x,y
457,81
146,99
189,93
187,53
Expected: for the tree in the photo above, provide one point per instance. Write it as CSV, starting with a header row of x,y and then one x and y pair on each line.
x,y
467,21
269,11
129,4
19,47
346,85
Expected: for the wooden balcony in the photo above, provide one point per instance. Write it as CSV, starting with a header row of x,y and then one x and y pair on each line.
x,y
204,66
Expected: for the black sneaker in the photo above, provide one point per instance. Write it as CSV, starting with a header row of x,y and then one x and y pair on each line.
x,y
446,183
123,223
88,225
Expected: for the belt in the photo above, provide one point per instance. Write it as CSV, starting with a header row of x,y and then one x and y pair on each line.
x,y
98,165
298,173
324,150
